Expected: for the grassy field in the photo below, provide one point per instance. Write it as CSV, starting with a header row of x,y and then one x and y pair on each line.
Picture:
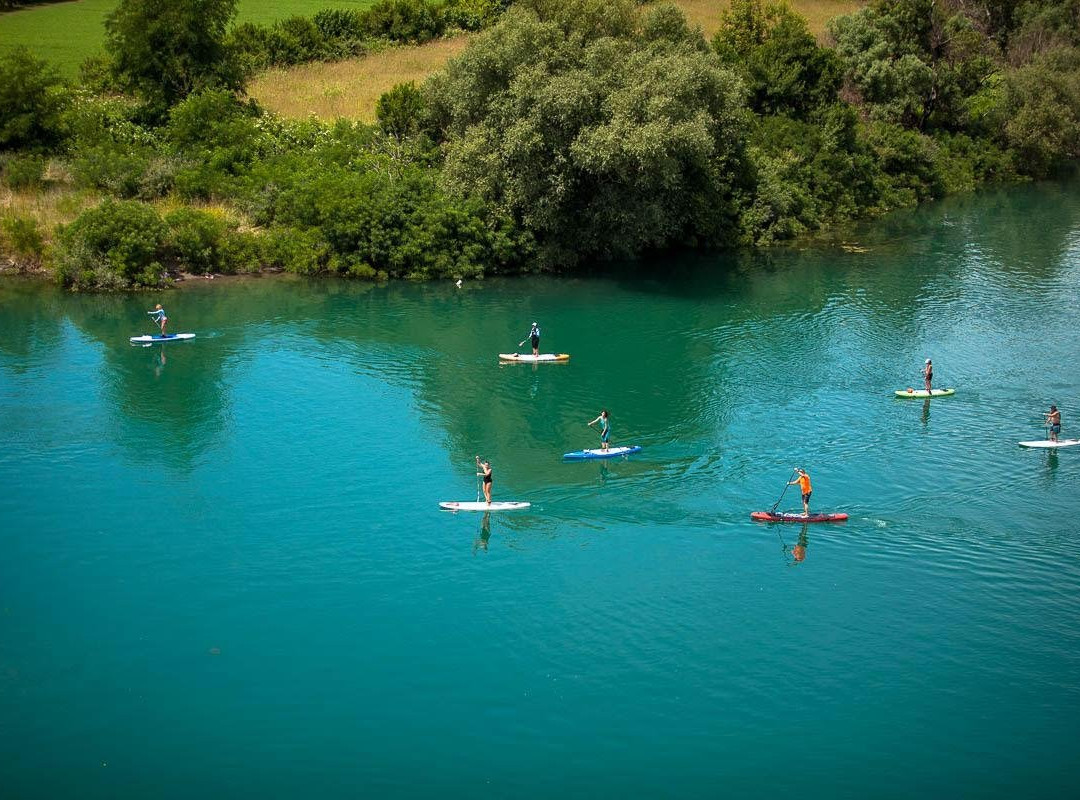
x,y
706,13
67,33
351,88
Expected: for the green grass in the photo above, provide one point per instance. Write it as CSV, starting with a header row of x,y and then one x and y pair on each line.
x,y
65,34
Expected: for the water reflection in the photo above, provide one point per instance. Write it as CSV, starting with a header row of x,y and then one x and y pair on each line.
x,y
481,542
1051,463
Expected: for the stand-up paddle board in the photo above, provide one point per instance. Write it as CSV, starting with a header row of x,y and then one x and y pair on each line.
x,y
922,393
469,505
1046,443
781,516
172,337
529,358
611,452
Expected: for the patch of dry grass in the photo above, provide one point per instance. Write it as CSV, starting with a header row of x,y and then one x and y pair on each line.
x,y
56,204
349,88
706,13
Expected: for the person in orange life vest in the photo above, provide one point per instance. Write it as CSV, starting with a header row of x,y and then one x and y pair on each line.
x,y
804,486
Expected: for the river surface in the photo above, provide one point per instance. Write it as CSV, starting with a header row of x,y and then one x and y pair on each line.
x,y
224,571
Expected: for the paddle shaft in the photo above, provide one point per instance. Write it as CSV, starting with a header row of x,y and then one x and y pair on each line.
x,y
781,497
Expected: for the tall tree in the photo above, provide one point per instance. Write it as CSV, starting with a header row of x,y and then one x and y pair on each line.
x,y
163,50
603,134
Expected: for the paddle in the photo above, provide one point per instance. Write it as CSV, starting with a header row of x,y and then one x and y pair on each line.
x,y
781,497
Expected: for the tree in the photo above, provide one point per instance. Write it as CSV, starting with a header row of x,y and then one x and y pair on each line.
x,y
29,103
913,62
602,138
163,50
781,62
399,112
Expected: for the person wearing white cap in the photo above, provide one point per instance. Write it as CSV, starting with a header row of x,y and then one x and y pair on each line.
x,y
928,375
534,337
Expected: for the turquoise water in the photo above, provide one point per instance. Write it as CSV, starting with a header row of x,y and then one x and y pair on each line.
x,y
224,571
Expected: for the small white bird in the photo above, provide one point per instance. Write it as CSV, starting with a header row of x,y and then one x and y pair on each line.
x,y
458,284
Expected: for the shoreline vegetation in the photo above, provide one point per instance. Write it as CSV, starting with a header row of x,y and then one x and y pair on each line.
x,y
557,135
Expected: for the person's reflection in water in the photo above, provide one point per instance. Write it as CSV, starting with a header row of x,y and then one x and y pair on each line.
x,y
605,473
160,365
1052,463
798,551
926,411
481,542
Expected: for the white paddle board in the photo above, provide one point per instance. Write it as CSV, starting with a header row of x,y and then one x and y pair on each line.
x,y
1046,443
922,394
159,339
529,358
469,505
611,452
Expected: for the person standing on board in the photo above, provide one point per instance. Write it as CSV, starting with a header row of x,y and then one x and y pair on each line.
x,y
605,428
928,375
534,338
1053,420
804,486
485,471
158,315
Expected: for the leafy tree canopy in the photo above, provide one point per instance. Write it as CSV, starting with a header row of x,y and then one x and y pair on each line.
x,y
163,50
774,52
602,131
30,106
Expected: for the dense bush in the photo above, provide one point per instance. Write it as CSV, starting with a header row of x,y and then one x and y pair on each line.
x,y
392,221
30,101
22,236
409,21
400,112
216,138
116,245
22,171
196,240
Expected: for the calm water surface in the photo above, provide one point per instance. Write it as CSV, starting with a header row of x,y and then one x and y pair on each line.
x,y
223,570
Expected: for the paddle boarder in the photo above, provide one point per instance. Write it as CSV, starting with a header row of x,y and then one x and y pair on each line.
x,y
158,315
534,338
1053,420
928,375
803,480
485,472
605,428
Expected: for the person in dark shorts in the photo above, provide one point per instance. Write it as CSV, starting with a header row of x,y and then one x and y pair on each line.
x,y
605,428
485,471
804,486
1053,421
928,375
534,339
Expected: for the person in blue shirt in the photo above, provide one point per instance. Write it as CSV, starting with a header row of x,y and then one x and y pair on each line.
x,y
534,338
605,428
158,315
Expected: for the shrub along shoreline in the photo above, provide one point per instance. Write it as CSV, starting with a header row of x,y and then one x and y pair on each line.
x,y
569,132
